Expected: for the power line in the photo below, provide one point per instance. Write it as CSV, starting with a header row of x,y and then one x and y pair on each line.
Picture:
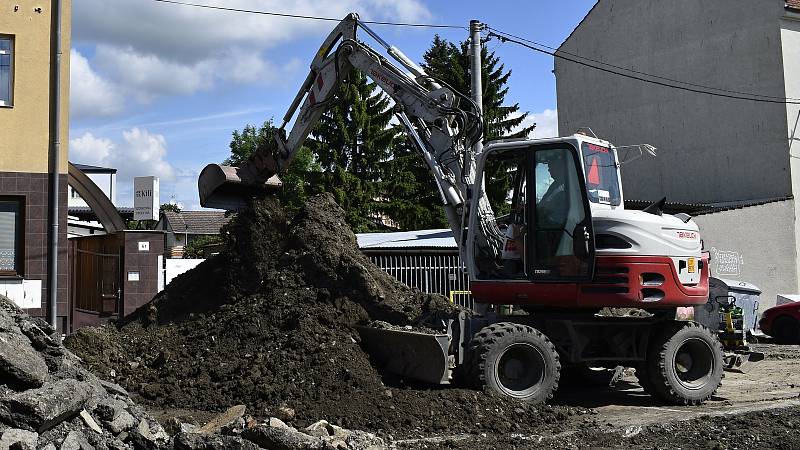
x,y
300,16
731,94
539,44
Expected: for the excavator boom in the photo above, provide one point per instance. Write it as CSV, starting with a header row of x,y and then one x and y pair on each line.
x,y
441,123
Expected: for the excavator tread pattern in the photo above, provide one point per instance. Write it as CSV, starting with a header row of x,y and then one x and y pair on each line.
x,y
658,370
483,342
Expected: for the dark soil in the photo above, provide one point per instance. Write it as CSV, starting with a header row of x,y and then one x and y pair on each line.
x,y
269,323
773,429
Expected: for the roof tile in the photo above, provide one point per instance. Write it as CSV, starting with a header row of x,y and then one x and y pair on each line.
x,y
196,222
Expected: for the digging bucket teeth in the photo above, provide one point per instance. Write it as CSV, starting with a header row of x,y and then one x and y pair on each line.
x,y
229,188
412,354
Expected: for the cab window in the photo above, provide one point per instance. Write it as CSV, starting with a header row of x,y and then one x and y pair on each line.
x,y
602,183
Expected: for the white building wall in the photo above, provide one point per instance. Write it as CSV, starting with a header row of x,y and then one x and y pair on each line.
x,y
710,149
755,244
790,43
107,182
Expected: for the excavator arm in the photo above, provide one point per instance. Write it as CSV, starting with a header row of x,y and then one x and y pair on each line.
x,y
441,130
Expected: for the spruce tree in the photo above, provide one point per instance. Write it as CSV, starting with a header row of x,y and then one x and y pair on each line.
x,y
352,144
450,63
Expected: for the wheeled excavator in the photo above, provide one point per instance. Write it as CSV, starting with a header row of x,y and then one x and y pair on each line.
x,y
567,249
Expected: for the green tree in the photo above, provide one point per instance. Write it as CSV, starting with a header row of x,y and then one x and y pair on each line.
x,y
450,63
298,175
412,198
352,144
197,247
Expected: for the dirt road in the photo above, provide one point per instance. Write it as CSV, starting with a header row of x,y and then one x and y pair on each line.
x,y
759,409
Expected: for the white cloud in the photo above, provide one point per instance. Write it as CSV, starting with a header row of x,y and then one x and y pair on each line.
x,y
189,34
150,49
90,94
147,76
546,124
136,152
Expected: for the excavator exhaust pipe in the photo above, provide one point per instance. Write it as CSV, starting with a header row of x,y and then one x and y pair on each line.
x,y
230,188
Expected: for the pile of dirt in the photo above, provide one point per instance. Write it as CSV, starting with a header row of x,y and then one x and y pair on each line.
x,y
269,323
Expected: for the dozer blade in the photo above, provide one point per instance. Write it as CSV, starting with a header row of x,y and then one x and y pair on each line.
x,y
412,354
229,188
742,361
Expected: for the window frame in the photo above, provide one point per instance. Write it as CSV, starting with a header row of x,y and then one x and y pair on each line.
x,y
11,76
19,239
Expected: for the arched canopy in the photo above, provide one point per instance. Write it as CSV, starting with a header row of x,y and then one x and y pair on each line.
x,y
101,205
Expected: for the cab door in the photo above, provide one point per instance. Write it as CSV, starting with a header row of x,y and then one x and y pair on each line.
x,y
561,244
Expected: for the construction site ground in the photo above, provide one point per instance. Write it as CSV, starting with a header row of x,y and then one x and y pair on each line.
x,y
757,409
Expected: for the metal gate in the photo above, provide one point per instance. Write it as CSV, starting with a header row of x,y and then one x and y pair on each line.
x,y
435,273
97,282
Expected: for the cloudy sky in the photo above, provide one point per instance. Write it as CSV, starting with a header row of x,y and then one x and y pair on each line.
x,y
157,88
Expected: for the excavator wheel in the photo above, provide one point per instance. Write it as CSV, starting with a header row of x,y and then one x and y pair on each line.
x,y
515,361
685,365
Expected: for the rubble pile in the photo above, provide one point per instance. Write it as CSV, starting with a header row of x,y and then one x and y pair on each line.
x,y
48,400
269,323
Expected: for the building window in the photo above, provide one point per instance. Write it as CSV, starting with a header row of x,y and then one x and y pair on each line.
x,y
6,70
11,236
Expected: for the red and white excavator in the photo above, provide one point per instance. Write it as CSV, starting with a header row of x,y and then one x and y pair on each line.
x,y
567,250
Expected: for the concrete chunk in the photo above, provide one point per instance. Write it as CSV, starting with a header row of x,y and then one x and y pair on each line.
x,y
20,364
195,441
15,435
43,408
281,438
124,421
75,440
90,422
230,416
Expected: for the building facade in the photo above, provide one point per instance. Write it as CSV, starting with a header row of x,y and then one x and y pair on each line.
x,y
27,129
712,149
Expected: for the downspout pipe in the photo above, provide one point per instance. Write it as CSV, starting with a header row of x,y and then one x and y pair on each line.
x,y
55,155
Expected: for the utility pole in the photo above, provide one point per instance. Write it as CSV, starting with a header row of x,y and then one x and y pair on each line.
x,y
476,85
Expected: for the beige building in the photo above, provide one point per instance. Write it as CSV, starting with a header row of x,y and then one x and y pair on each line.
x,y
27,129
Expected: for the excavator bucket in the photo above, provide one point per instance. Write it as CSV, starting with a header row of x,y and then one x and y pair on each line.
x,y
229,188
412,354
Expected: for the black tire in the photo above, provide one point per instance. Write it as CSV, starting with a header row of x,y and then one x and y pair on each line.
x,y
785,330
685,365
515,361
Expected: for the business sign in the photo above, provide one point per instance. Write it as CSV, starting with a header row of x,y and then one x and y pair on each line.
x,y
145,198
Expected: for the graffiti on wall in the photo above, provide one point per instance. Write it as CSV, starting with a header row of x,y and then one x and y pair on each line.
x,y
726,262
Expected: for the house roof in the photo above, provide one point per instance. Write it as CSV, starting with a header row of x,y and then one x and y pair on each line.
x,y
85,168
793,4
196,222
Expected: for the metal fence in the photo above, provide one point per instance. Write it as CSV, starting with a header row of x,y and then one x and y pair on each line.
x,y
435,273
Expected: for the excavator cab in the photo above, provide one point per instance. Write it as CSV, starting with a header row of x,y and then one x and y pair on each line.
x,y
547,234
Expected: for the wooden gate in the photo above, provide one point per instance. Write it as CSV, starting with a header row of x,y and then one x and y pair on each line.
x,y
97,282
95,266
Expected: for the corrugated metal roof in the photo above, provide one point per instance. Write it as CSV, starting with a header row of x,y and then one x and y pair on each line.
x,y
438,238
